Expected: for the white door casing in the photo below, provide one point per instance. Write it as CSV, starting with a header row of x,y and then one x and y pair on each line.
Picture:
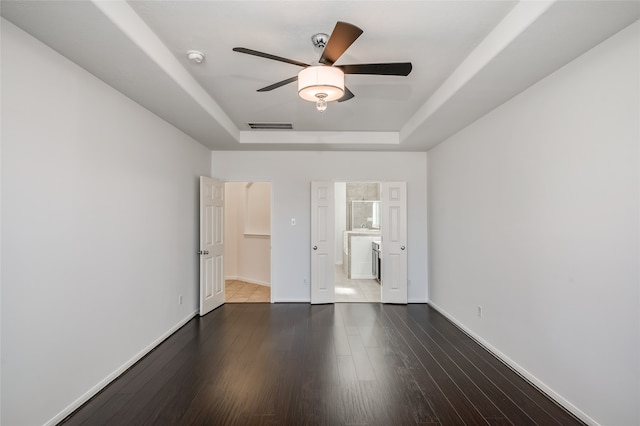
x,y
211,244
393,225
322,242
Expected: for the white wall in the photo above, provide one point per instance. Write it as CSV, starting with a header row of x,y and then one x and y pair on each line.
x,y
534,214
248,247
291,173
99,230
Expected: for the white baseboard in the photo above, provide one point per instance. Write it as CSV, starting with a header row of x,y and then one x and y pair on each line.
x,y
111,377
519,369
249,280
308,301
362,277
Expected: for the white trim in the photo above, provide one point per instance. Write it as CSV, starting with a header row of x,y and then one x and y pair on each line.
x,y
523,15
518,369
248,280
252,281
133,26
362,277
111,377
309,137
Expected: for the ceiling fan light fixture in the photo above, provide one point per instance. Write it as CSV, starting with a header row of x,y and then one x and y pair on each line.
x,y
321,80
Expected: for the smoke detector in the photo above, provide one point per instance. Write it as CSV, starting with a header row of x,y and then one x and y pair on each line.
x,y
195,56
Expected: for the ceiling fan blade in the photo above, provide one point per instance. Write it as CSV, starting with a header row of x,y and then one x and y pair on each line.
x,y
269,56
279,84
343,35
348,94
394,68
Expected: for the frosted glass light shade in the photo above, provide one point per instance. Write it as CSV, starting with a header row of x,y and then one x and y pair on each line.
x,y
322,79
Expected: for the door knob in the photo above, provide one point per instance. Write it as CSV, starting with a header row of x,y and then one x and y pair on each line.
x,y
402,248
315,247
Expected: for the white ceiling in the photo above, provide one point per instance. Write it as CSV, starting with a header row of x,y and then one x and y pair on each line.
x,y
468,57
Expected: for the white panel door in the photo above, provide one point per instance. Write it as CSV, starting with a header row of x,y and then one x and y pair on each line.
x,y
322,242
393,225
211,244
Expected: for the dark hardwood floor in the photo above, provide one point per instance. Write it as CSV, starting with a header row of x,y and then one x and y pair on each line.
x,y
300,364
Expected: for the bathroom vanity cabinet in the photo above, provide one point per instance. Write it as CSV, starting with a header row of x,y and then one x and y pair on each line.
x,y
357,253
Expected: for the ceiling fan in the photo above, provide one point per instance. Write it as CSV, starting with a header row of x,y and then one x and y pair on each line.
x,y
325,82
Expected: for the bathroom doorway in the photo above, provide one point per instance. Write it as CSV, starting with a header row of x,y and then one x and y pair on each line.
x,y
357,235
247,263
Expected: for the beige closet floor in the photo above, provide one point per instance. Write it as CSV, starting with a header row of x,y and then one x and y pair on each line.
x,y
243,292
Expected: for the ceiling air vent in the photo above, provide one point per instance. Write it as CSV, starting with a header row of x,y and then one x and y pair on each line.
x,y
271,126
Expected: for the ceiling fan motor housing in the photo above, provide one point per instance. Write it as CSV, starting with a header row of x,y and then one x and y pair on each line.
x,y
320,40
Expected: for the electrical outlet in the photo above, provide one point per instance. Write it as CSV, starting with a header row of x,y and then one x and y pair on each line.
x,y
293,221
179,299
479,311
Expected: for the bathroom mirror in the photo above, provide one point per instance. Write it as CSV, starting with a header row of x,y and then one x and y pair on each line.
x,y
365,214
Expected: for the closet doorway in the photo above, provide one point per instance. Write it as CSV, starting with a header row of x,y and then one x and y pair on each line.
x,y
247,233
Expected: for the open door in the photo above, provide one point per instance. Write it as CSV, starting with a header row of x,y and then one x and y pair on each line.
x,y
393,225
322,242
211,244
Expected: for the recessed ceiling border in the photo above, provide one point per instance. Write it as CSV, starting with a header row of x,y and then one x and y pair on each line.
x,y
307,138
122,15
521,17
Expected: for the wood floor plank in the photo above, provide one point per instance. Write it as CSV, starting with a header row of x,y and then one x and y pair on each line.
x,y
301,364
113,395
416,375
364,370
538,406
475,377
431,364
499,422
347,370
162,388
401,391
